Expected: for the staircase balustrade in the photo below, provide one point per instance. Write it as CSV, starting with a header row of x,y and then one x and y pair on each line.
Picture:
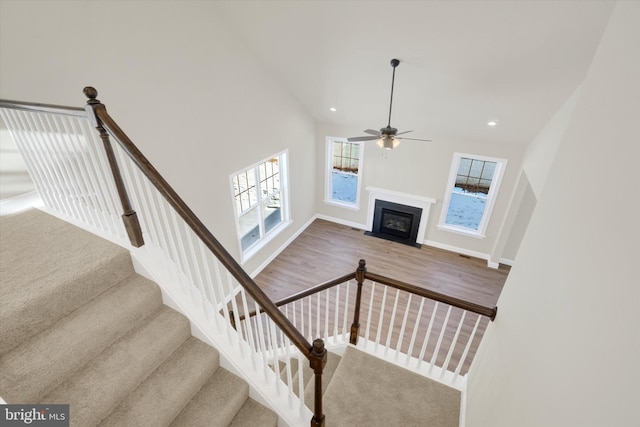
x,y
83,178
420,329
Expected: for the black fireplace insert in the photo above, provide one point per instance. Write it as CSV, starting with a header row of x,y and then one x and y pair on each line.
x,y
396,222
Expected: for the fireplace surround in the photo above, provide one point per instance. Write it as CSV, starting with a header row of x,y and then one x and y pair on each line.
x,y
398,207
396,222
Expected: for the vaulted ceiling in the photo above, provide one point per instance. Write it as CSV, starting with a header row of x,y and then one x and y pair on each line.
x,y
463,63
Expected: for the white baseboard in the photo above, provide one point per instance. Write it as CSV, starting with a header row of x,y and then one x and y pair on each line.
x,y
457,249
20,203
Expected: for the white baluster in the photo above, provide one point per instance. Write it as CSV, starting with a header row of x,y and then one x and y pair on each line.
x,y
337,312
453,344
381,318
427,335
345,322
403,326
440,337
391,323
326,314
369,311
466,349
416,326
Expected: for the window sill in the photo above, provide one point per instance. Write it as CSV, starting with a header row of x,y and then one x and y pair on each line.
x,y
461,230
353,207
251,251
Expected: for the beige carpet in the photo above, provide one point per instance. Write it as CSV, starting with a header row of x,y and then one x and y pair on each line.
x,y
78,326
367,391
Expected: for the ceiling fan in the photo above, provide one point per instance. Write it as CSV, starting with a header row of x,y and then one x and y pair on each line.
x,y
387,137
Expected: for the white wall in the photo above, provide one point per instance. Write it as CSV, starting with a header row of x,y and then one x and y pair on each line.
x,y
178,81
541,152
421,169
565,346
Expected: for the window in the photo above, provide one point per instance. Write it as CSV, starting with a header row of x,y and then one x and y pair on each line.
x,y
260,201
471,192
344,163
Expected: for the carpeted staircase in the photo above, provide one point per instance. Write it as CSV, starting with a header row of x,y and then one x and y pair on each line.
x,y
79,326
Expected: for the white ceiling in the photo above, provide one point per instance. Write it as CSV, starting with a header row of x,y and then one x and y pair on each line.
x,y
463,63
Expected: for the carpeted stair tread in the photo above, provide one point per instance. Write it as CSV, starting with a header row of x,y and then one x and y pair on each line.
x,y
48,268
366,390
216,404
106,380
252,414
40,363
161,397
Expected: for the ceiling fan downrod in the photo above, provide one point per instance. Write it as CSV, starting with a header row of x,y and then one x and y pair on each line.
x,y
394,64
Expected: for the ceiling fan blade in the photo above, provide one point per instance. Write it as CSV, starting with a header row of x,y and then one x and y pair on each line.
x,y
414,139
402,133
363,138
373,132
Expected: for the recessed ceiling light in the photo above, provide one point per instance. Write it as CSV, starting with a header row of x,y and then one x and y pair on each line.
x,y
492,123
332,109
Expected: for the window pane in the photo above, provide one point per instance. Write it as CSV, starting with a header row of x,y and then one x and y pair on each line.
x,y
464,166
263,171
476,168
249,228
257,194
475,175
272,212
344,186
353,165
244,190
465,211
489,170
345,170
468,204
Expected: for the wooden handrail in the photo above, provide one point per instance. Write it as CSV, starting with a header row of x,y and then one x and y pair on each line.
x,y
199,229
437,296
43,108
397,284
303,294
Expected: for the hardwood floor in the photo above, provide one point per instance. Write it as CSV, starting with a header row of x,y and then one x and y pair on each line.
x,y
327,250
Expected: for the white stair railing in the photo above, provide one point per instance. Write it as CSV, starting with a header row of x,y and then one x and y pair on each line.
x,y
67,162
428,333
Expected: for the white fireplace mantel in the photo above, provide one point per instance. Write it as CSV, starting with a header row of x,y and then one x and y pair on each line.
x,y
404,199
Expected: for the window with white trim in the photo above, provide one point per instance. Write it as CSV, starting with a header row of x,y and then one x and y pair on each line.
x,y
260,202
343,173
471,192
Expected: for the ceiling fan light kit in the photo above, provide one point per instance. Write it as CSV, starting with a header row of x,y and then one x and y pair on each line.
x,y
387,137
388,142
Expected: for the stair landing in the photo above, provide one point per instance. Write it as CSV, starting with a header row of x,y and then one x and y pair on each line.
x,y
366,390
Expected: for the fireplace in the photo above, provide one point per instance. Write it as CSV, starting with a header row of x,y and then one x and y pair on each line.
x,y
396,222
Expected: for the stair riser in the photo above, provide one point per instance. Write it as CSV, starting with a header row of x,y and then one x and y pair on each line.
x,y
121,368
171,386
40,364
27,318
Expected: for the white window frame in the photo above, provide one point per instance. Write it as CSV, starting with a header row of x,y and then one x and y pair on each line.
x,y
480,233
328,191
265,237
